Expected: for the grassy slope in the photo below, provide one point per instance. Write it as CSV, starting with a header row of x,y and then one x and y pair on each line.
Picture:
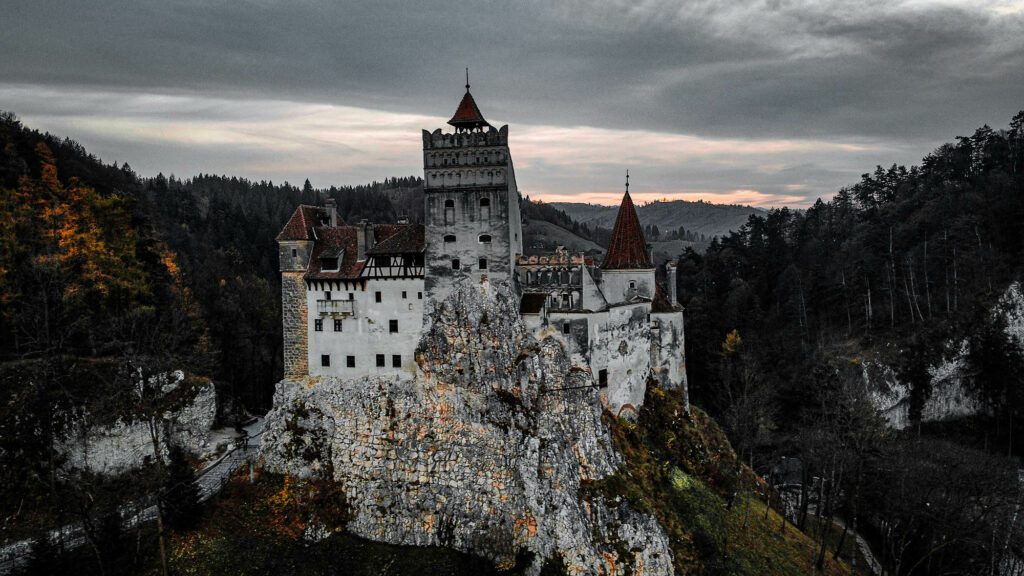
x,y
683,470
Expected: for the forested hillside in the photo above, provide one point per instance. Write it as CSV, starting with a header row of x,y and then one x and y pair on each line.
x,y
677,219
903,266
96,261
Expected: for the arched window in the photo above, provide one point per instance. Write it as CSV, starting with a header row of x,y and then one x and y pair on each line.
x,y
485,202
485,238
449,238
449,212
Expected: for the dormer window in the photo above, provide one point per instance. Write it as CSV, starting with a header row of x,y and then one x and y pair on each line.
x,y
328,264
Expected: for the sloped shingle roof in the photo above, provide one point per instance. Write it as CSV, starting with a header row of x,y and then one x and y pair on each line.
x,y
300,226
627,249
468,115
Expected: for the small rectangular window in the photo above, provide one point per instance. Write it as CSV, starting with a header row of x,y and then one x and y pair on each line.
x,y
566,328
396,361
455,264
351,296
295,253
325,359
419,295
327,295
318,325
404,295
483,263
602,378
376,296
337,324
380,360
350,361
393,326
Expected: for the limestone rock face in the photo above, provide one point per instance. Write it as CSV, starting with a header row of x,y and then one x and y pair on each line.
x,y
949,398
485,451
125,445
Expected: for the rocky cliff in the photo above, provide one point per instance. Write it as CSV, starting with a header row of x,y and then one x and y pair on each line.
x,y
948,398
485,451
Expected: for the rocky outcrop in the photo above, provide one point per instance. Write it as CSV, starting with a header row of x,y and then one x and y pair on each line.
x,y
485,451
127,444
948,398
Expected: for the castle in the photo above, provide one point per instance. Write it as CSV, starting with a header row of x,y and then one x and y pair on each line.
x,y
354,296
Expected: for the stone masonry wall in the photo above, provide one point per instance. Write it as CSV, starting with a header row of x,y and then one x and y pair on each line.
x,y
295,318
485,451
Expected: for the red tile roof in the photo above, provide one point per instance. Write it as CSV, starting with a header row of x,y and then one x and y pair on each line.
x,y
332,242
627,249
343,241
300,225
468,115
408,238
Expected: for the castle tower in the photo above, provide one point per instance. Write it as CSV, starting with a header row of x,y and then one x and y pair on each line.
x,y
627,271
471,212
295,243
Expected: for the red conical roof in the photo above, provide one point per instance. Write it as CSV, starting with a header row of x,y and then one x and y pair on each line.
x,y
627,249
468,114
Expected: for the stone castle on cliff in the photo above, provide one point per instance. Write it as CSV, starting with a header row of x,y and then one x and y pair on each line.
x,y
354,295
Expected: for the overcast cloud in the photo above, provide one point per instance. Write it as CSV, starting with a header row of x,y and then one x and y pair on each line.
x,y
767,102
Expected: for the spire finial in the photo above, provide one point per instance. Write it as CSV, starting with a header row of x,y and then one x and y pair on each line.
x,y
627,180
467,78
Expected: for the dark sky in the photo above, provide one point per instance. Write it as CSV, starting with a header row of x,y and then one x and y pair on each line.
x,y
768,102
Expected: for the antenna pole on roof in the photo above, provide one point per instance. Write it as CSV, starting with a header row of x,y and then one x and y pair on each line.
x,y
467,78
627,180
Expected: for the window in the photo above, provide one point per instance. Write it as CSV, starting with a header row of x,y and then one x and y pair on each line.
x,y
351,296
327,295
325,360
337,324
602,378
485,202
393,326
455,264
380,360
396,361
419,295
483,263
328,264
295,253
449,203
404,295
350,361
632,285
376,296
318,325
485,238
566,328
449,238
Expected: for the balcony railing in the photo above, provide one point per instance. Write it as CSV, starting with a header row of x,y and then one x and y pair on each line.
x,y
335,307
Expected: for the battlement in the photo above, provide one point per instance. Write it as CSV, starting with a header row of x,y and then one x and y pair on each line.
x,y
465,139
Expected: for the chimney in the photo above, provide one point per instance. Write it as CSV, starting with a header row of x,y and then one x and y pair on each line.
x,y
670,270
364,238
332,212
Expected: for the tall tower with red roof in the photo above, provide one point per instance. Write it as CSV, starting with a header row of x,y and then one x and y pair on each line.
x,y
471,212
627,272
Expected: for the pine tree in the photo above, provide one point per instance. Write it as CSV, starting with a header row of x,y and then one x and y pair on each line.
x,y
180,498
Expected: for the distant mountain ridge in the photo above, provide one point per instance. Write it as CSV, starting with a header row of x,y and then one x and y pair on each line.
x,y
700,217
